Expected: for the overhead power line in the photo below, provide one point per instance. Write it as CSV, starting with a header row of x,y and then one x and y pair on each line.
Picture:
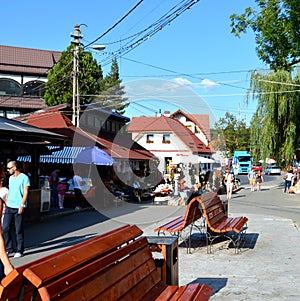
x,y
117,23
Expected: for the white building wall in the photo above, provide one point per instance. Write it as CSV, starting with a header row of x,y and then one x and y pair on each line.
x,y
176,149
18,78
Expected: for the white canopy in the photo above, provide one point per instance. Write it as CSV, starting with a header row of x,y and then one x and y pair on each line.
x,y
205,160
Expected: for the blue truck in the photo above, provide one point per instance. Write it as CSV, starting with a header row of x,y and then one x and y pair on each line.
x,y
242,161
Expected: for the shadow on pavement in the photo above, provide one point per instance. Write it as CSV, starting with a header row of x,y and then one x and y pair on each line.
x,y
216,283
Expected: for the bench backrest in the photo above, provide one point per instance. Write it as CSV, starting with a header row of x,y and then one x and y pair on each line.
x,y
81,254
128,273
212,207
192,213
11,290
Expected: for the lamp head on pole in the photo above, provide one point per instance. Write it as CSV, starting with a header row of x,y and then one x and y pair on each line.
x,y
98,47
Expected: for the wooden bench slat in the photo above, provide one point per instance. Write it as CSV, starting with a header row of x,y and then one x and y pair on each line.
x,y
72,258
172,226
12,290
122,269
200,292
96,267
113,283
192,214
167,294
217,221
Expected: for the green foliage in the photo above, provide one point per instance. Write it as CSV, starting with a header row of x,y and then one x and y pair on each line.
x,y
275,125
59,87
112,92
235,133
276,27
105,92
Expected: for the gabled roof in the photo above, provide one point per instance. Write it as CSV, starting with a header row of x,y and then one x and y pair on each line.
x,y
166,124
121,147
19,60
201,120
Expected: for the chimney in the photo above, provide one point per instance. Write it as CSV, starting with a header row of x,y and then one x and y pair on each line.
x,y
167,113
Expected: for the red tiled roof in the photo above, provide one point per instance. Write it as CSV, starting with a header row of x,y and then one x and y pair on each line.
x,y
166,124
201,120
121,147
19,60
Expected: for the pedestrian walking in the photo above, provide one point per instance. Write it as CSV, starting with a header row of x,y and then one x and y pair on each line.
x,y
259,180
288,178
251,178
18,189
228,180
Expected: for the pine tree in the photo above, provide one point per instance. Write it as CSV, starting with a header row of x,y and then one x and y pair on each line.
x,y
111,96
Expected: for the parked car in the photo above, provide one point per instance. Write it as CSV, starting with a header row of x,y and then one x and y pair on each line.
x,y
257,166
273,170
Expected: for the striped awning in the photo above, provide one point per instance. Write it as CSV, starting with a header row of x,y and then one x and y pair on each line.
x,y
65,156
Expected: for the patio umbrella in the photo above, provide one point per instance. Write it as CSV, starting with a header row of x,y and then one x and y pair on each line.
x,y
94,155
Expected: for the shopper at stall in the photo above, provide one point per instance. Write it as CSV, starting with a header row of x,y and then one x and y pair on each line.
x,y
62,188
78,184
53,182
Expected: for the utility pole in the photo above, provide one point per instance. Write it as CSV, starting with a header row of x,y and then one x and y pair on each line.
x,y
76,97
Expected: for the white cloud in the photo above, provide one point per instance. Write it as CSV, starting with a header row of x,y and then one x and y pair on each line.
x,y
183,81
207,83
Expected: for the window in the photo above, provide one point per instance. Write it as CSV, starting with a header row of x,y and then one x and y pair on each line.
x,y
150,138
9,87
34,88
166,139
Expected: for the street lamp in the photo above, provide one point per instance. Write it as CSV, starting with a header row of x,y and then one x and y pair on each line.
x,y
98,47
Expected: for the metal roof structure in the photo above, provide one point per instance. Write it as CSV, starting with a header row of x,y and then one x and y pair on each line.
x,y
64,156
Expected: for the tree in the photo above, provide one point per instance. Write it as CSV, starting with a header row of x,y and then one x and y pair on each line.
x,y
277,35
111,96
277,31
275,125
235,133
59,87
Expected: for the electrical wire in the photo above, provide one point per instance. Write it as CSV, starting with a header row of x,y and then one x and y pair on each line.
x,y
116,24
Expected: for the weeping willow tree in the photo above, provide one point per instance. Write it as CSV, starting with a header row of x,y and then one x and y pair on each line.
x,y
275,125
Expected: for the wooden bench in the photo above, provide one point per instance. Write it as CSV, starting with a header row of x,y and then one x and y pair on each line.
x,y
17,287
117,265
218,224
177,225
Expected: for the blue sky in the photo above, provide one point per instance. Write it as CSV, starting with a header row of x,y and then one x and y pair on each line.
x,y
192,62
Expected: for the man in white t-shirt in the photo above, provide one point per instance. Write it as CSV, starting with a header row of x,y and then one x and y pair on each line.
x,y
78,185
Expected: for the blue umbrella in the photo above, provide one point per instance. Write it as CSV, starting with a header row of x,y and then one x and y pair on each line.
x,y
94,155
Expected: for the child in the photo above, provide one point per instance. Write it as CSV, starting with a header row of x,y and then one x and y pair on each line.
x,y
62,187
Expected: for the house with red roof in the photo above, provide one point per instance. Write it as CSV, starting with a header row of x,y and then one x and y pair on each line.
x,y
197,123
171,141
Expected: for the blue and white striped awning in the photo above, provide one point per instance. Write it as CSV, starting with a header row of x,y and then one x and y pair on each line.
x,y
65,156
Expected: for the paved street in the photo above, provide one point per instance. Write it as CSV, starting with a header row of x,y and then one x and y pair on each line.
x,y
268,267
